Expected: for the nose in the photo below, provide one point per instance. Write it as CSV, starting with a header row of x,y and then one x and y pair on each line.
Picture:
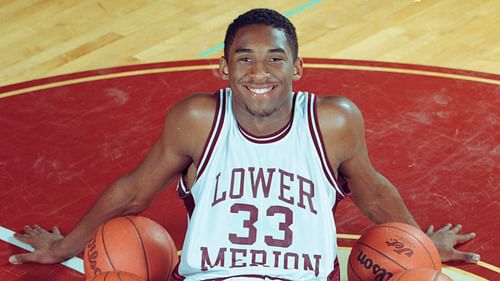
x,y
259,71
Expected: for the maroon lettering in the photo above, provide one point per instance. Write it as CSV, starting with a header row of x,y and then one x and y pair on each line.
x,y
233,193
255,260
244,257
248,224
284,226
260,181
308,264
237,257
222,196
205,259
277,255
284,187
303,182
288,257
291,188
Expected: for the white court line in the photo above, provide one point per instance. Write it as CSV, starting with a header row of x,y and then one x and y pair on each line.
x,y
7,235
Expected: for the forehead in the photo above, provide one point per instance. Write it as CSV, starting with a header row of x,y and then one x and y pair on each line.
x,y
259,36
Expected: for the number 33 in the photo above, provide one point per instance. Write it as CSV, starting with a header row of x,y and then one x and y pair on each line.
x,y
249,224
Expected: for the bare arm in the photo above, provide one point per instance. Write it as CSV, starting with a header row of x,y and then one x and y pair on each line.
x,y
373,194
170,155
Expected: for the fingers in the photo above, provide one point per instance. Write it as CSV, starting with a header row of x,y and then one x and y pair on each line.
x,y
472,257
465,256
446,227
34,233
456,229
23,237
32,230
55,230
462,238
29,232
22,258
459,238
42,241
430,230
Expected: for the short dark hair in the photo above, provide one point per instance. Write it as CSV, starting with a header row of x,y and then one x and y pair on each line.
x,y
266,17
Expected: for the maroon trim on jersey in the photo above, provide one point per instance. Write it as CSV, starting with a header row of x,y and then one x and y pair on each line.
x,y
274,137
342,184
214,132
176,276
312,113
335,274
185,195
181,189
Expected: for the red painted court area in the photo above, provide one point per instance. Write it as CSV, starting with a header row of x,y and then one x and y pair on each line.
x,y
434,132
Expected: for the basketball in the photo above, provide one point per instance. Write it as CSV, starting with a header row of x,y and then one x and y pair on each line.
x,y
386,249
133,244
115,276
421,274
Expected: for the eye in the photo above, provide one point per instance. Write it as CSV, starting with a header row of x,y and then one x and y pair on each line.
x,y
244,59
276,59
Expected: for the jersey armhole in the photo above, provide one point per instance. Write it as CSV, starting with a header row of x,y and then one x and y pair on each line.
x,y
214,133
339,183
209,145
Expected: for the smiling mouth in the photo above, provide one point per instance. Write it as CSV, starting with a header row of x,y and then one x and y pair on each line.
x,y
260,91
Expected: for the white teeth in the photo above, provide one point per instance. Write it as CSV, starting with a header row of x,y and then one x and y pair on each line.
x,y
260,91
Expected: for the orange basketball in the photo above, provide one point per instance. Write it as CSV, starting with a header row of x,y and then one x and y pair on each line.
x,y
386,249
115,276
421,274
133,244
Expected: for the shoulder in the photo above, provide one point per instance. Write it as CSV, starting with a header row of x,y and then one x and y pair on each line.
x,y
337,112
195,110
188,123
342,126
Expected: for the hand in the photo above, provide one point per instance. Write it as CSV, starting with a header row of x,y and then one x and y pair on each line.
x,y
446,238
44,243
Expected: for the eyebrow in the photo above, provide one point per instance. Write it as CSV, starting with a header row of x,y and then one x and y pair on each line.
x,y
274,50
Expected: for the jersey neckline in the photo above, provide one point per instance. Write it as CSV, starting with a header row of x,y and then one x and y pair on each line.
x,y
273,137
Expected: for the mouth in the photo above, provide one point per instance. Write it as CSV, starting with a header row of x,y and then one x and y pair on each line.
x,y
260,90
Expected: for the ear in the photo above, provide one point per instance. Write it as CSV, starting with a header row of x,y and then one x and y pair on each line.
x,y
223,69
298,69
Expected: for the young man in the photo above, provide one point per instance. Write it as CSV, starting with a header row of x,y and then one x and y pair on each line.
x,y
261,167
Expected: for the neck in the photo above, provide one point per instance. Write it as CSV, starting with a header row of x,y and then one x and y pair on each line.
x,y
262,125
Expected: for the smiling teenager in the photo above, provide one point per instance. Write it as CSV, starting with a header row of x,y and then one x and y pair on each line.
x,y
260,166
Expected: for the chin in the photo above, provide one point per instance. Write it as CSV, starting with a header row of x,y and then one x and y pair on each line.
x,y
260,112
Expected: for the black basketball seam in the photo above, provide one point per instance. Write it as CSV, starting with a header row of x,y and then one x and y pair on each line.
x,y
382,254
421,244
119,277
106,276
142,245
104,246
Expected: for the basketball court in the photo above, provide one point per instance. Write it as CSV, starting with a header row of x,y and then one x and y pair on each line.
x,y
70,125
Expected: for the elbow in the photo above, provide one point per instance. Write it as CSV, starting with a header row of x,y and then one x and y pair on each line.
x,y
136,206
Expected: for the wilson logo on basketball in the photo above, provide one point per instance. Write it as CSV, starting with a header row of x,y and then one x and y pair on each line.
x,y
400,248
380,273
92,255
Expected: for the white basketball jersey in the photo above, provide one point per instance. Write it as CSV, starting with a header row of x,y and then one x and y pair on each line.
x,y
262,205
